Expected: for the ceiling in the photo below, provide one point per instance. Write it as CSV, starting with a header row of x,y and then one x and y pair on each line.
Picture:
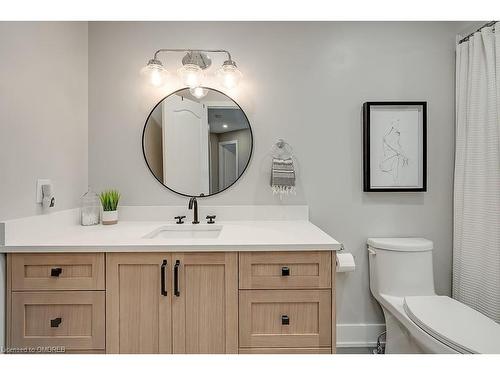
x,y
234,118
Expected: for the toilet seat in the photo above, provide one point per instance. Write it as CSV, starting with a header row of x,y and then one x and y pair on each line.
x,y
454,324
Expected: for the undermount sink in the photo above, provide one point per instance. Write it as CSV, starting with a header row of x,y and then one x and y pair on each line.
x,y
186,231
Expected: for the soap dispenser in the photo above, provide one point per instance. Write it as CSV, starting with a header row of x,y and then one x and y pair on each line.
x,y
90,210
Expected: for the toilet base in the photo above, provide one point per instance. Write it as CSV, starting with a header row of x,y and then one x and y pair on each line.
x,y
398,339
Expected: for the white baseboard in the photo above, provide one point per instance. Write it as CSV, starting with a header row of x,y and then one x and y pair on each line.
x,y
358,335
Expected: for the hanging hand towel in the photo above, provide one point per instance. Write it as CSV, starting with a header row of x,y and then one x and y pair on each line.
x,y
283,177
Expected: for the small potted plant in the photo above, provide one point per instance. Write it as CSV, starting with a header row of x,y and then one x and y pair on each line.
x,y
109,201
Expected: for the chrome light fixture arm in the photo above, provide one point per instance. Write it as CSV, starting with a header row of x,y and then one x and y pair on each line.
x,y
155,56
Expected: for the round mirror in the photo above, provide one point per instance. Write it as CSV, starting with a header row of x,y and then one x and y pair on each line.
x,y
197,142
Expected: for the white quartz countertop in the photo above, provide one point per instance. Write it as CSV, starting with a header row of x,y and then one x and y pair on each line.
x,y
129,236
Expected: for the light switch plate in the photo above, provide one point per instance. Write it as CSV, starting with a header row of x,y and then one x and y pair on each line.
x,y
39,183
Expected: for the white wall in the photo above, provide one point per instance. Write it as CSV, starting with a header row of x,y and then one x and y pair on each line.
x,y
304,82
43,117
43,113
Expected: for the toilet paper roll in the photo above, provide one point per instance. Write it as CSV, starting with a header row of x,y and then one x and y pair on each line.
x,y
345,262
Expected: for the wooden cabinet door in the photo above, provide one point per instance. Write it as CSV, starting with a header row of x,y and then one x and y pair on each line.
x,y
138,313
205,311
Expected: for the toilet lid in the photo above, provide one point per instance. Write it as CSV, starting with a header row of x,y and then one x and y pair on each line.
x,y
454,324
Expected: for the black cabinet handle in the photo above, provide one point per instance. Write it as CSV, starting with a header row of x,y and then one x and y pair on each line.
x,y
54,323
285,320
285,271
55,272
163,275
179,219
177,292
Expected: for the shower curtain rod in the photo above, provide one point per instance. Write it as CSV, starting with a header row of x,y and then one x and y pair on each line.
x,y
488,24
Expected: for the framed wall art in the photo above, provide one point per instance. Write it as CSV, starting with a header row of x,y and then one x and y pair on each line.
x,y
394,146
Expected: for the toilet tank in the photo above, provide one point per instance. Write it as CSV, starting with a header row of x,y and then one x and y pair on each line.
x,y
401,266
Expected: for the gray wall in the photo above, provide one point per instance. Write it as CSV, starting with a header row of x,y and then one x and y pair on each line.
x,y
244,143
304,82
43,117
43,113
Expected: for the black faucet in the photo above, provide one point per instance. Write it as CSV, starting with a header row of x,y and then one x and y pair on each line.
x,y
194,202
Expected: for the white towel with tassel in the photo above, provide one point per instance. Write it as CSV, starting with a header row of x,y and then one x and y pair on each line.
x,y
283,177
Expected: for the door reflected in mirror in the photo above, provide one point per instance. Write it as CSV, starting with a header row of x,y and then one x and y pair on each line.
x,y
197,146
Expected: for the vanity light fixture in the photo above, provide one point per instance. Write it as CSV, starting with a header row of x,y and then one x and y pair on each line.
x,y
192,75
229,74
192,72
155,73
198,92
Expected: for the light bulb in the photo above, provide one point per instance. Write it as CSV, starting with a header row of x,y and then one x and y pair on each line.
x,y
191,75
229,74
154,73
198,92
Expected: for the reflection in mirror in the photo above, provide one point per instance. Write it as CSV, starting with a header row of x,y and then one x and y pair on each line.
x,y
197,147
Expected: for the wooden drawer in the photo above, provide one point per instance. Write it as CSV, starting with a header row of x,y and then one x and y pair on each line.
x,y
35,320
268,270
263,318
285,351
57,271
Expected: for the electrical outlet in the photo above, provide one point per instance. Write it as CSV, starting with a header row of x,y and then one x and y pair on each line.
x,y
39,183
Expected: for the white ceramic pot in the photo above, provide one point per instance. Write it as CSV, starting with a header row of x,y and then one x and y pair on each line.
x,y
109,217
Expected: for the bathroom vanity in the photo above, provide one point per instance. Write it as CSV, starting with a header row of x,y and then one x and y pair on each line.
x,y
264,286
260,281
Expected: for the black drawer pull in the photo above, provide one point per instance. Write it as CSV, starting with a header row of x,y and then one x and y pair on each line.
x,y
55,272
54,323
285,320
177,292
162,276
285,271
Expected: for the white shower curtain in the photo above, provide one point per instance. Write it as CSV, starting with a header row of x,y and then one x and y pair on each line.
x,y
476,248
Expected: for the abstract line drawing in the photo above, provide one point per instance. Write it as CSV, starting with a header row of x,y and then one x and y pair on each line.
x,y
394,158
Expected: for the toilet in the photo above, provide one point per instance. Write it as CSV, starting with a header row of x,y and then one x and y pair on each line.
x,y
418,320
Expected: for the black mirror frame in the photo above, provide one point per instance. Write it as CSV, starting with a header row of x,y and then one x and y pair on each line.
x,y
202,195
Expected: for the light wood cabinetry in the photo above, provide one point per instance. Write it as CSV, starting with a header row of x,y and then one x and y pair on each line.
x,y
138,314
285,351
285,318
285,270
74,320
196,312
205,309
219,302
56,300
57,272
286,302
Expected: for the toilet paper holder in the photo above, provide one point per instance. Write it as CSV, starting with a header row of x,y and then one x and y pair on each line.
x,y
346,263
